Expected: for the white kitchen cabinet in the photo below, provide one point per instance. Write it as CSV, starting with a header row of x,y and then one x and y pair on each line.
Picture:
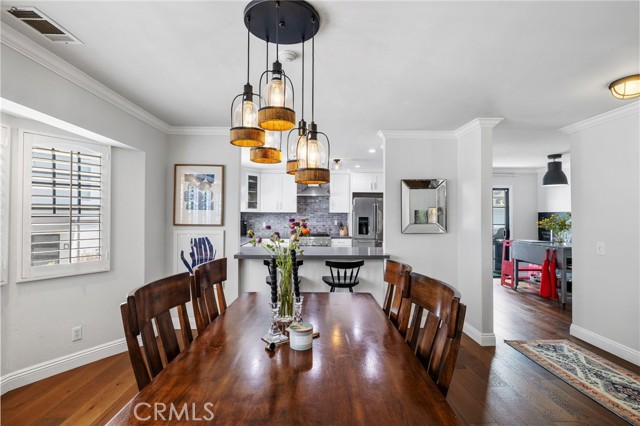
x,y
367,182
250,192
340,199
278,193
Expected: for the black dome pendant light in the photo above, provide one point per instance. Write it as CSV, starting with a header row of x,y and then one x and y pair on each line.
x,y
554,176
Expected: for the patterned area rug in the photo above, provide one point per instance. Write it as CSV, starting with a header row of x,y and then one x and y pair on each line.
x,y
612,386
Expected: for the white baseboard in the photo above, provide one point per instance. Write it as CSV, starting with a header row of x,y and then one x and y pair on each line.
x,y
615,348
483,339
50,368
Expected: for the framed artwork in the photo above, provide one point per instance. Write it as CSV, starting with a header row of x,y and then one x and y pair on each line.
x,y
194,247
198,194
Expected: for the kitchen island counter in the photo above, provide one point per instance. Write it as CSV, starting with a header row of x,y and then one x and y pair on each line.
x,y
323,253
253,272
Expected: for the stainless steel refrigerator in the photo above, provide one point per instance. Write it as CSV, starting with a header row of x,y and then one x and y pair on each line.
x,y
367,220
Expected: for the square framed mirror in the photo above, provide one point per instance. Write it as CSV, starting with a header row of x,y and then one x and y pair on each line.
x,y
424,206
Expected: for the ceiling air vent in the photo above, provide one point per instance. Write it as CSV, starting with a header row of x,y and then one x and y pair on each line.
x,y
43,25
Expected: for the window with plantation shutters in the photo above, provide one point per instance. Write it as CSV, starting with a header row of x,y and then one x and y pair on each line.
x,y
66,207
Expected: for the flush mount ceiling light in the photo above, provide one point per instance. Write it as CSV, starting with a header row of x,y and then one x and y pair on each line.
x,y
313,154
554,176
244,112
336,164
287,22
626,87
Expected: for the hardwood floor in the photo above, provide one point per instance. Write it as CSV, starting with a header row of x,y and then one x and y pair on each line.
x,y
491,386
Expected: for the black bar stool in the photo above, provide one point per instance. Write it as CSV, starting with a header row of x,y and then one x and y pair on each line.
x,y
343,274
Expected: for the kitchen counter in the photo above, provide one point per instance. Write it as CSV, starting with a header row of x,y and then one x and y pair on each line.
x,y
324,253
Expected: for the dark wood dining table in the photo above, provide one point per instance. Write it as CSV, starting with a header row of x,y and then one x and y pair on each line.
x,y
358,372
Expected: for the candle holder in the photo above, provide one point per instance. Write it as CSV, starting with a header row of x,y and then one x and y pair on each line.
x,y
297,308
274,335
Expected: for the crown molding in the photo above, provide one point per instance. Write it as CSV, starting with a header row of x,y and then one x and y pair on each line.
x,y
32,50
514,171
477,123
198,131
632,108
415,134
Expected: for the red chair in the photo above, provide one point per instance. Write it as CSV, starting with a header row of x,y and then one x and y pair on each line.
x,y
507,273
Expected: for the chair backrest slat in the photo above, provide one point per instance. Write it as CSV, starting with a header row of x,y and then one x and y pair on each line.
x,y
208,293
397,302
436,344
148,305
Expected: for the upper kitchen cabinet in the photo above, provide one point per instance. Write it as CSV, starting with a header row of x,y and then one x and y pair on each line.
x,y
250,192
367,182
340,199
278,193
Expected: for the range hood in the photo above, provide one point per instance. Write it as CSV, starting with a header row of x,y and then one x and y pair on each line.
x,y
312,191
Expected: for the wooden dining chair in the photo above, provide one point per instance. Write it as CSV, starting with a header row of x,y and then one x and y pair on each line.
x,y
451,346
343,274
397,301
149,306
436,344
207,292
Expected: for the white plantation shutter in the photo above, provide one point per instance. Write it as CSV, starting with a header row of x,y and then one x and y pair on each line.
x,y
5,163
66,207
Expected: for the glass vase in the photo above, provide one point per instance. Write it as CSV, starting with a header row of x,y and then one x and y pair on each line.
x,y
285,292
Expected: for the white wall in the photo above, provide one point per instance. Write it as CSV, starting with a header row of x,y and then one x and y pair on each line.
x,y
462,256
523,203
210,149
429,254
37,317
555,198
606,204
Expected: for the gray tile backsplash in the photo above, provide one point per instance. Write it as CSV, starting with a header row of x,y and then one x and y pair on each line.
x,y
316,209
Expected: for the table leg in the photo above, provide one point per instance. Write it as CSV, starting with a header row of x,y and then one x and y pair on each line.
x,y
515,274
563,286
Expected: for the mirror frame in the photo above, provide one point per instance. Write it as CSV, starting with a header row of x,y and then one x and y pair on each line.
x,y
437,227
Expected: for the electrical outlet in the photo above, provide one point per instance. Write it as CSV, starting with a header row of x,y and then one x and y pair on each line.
x,y
600,248
76,333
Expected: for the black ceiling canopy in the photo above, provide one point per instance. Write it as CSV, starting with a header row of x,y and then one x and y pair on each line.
x,y
299,21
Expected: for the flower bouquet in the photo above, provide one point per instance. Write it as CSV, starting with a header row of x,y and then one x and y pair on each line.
x,y
284,255
557,225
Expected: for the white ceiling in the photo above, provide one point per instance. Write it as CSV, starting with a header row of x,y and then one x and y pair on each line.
x,y
380,65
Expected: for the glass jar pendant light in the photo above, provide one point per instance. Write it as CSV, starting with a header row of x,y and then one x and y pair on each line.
x,y
314,152
276,112
270,152
301,130
244,112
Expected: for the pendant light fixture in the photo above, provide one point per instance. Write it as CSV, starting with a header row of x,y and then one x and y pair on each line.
x,y
301,130
626,87
554,176
271,151
276,110
244,111
313,154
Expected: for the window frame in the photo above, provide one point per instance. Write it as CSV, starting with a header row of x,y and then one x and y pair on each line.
x,y
27,272
5,181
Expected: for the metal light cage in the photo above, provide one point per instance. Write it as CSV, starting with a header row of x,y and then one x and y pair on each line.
x,y
270,152
313,163
626,87
247,133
